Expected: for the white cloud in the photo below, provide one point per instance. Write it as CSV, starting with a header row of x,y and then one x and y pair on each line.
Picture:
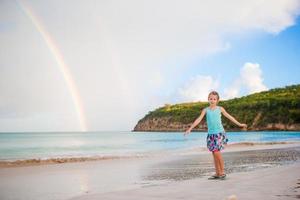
x,y
251,79
198,88
118,52
233,90
280,15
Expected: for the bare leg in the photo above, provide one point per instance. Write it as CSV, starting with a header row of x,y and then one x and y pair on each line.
x,y
220,162
217,165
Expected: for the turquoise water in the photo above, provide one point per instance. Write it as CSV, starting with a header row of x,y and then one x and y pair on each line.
x,y
21,146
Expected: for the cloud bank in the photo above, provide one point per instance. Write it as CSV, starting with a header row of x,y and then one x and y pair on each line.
x,y
122,55
250,79
198,87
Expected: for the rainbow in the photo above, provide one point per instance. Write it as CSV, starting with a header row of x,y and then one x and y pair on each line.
x,y
60,62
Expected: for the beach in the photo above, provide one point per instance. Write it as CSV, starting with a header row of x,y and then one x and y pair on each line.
x,y
254,171
274,183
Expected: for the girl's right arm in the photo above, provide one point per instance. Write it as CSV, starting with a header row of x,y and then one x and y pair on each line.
x,y
196,122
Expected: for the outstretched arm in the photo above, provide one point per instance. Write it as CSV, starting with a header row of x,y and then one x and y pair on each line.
x,y
196,122
226,114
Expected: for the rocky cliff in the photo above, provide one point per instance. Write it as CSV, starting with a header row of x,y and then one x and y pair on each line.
x,y
276,109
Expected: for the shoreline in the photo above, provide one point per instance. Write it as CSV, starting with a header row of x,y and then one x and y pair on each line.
x,y
239,146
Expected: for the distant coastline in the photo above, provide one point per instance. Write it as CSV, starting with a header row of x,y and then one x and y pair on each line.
x,y
145,127
274,110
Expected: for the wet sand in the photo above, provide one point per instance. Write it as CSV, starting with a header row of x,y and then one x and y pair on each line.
x,y
270,171
276,183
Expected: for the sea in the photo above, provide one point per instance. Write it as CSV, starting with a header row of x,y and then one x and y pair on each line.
x,y
112,144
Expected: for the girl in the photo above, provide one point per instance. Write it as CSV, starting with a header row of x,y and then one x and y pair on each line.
x,y
216,137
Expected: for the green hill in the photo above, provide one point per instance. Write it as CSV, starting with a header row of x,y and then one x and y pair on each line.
x,y
276,109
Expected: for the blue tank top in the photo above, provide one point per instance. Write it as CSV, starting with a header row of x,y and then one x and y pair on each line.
x,y
213,120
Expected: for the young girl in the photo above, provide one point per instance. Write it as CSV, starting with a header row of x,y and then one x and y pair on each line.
x,y
216,137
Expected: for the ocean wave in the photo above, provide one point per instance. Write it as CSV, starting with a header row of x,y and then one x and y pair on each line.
x,y
262,143
180,151
41,161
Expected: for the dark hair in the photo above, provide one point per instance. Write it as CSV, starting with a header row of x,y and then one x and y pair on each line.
x,y
214,93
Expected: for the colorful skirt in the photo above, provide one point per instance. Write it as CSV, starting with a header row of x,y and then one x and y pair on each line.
x,y
216,142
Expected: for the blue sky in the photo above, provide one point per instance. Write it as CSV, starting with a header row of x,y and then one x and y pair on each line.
x,y
277,54
103,65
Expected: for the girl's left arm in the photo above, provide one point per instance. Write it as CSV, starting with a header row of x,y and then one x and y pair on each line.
x,y
232,118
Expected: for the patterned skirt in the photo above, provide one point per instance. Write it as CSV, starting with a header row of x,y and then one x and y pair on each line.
x,y
216,142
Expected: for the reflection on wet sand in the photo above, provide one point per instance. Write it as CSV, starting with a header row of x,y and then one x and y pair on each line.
x,y
195,166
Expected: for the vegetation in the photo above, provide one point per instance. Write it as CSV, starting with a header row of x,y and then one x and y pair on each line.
x,y
279,105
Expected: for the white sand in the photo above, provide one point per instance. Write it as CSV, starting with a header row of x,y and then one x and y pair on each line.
x,y
123,179
280,182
